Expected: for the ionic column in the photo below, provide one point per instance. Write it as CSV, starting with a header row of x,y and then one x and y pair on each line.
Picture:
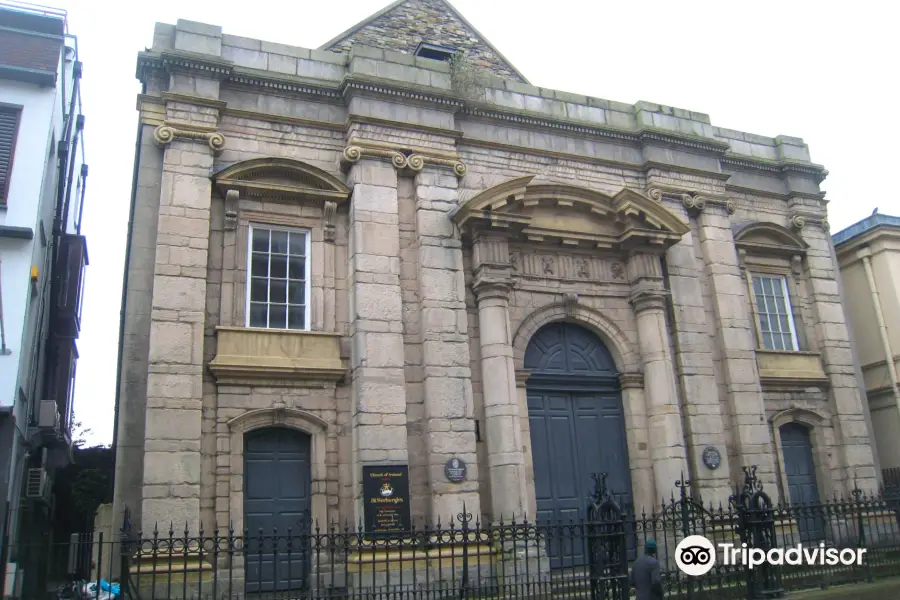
x,y
506,459
751,439
378,384
172,457
667,445
449,407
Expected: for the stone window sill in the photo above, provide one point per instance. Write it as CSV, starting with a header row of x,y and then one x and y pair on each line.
x,y
276,357
793,368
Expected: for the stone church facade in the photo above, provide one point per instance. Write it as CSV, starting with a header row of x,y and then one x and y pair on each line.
x,y
394,250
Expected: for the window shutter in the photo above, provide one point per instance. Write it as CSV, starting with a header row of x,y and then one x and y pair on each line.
x,y
9,125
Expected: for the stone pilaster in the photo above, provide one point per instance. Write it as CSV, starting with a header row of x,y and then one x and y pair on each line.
x,y
751,440
503,428
172,459
378,413
667,447
849,421
704,423
449,409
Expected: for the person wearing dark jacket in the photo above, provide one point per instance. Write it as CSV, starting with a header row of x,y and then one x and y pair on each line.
x,y
645,574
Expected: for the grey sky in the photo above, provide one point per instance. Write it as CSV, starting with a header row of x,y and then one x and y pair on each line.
x,y
823,71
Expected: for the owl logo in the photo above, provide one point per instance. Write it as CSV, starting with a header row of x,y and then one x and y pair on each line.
x,y
386,490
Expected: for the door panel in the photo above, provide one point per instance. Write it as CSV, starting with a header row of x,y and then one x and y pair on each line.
x,y
276,501
803,489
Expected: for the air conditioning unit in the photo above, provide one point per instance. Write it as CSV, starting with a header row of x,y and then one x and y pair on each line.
x,y
37,484
48,415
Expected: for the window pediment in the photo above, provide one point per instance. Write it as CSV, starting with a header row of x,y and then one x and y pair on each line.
x,y
281,179
768,238
571,216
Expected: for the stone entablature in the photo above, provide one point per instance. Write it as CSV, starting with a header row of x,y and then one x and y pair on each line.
x,y
612,133
444,230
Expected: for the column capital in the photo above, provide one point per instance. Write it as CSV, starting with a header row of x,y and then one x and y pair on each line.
x,y
631,380
487,287
170,130
647,298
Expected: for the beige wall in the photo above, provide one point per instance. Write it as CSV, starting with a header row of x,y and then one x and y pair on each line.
x,y
882,247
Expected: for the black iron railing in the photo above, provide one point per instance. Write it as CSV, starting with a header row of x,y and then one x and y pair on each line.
x,y
465,557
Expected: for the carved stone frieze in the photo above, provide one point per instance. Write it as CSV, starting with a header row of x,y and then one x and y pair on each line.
x,y
529,264
170,131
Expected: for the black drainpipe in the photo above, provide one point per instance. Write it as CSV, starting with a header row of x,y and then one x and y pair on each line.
x,y
84,174
70,178
676,363
66,156
134,187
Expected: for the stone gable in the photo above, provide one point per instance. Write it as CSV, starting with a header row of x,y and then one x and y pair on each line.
x,y
403,26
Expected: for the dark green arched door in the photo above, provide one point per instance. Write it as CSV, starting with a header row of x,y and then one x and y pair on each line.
x,y
577,426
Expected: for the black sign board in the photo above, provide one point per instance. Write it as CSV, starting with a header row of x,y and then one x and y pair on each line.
x,y
386,498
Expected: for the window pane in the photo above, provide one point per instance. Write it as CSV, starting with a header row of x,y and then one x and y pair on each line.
x,y
767,342
257,314
278,266
279,242
258,289
260,240
277,314
764,322
259,265
779,304
297,292
767,286
278,291
785,325
757,286
296,316
298,244
298,268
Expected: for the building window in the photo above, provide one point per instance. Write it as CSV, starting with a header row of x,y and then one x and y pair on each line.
x,y
278,294
435,52
9,129
773,309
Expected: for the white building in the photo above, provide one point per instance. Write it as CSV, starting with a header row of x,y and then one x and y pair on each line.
x,y
42,254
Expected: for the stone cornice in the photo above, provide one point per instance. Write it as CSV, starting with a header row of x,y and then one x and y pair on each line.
x,y
261,79
196,100
349,86
169,61
172,130
401,161
745,163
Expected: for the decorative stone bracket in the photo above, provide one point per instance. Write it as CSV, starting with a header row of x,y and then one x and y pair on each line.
x,y
401,161
693,202
171,130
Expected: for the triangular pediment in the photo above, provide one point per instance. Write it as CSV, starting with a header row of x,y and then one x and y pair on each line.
x,y
570,216
405,24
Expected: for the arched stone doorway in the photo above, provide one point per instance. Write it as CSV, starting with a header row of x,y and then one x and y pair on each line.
x,y
277,499
577,424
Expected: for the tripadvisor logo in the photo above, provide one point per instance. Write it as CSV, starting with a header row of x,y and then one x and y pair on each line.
x,y
695,555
